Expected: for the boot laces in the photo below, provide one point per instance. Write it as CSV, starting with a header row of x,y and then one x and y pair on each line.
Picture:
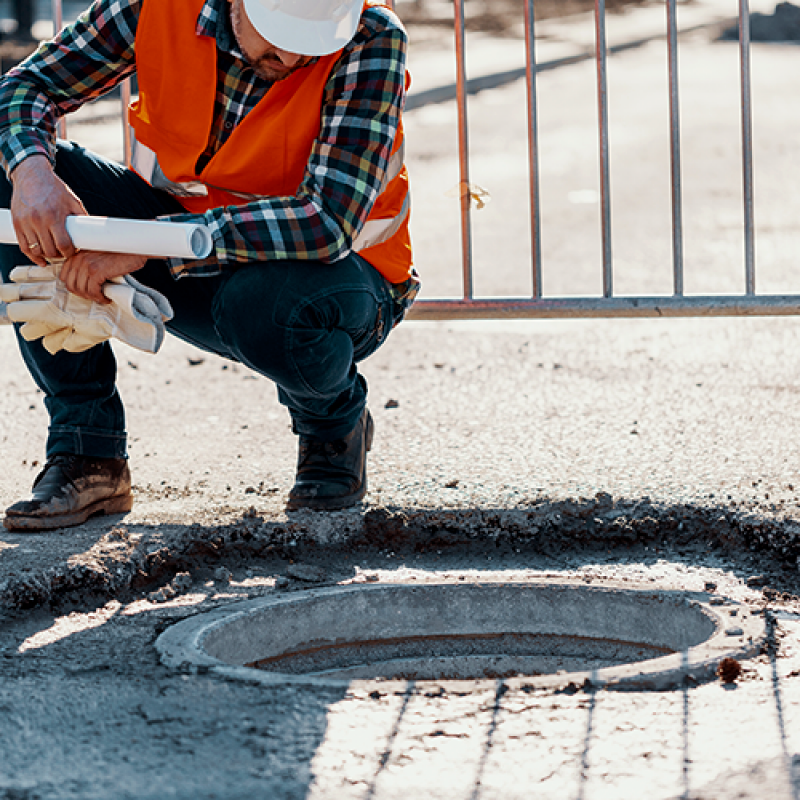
x,y
315,453
63,461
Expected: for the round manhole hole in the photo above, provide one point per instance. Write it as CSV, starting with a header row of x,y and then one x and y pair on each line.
x,y
542,632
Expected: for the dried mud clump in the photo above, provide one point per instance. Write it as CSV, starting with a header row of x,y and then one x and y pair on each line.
x,y
729,670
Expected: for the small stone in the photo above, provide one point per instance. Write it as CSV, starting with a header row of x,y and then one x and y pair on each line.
x,y
716,601
391,404
222,575
305,572
182,582
754,581
282,582
371,578
710,586
162,595
729,670
734,632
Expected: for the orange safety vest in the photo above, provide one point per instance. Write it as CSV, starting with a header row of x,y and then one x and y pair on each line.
x,y
266,154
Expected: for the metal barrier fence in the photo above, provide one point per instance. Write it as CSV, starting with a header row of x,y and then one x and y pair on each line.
x,y
538,306
609,305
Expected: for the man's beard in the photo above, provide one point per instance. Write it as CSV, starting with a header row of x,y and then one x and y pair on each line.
x,y
269,67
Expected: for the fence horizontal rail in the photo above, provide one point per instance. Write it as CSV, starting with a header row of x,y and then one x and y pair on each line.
x,y
612,307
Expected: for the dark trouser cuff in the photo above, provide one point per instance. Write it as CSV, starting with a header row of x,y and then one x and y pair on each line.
x,y
86,442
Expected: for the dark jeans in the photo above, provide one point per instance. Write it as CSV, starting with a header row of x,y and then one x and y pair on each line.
x,y
303,324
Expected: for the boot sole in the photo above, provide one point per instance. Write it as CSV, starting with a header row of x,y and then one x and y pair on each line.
x,y
328,503
110,505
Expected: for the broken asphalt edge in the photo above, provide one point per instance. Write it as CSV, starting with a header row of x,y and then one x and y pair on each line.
x,y
129,559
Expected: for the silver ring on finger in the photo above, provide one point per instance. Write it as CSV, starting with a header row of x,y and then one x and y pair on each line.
x,y
33,246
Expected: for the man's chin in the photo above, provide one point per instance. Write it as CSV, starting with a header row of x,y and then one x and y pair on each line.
x,y
272,75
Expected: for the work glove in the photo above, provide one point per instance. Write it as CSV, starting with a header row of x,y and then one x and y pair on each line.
x,y
64,321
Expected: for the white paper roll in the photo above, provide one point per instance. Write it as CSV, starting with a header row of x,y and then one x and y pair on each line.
x,y
156,238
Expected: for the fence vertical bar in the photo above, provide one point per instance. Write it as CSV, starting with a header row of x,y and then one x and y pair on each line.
x,y
465,190
58,24
602,101
747,148
533,147
675,148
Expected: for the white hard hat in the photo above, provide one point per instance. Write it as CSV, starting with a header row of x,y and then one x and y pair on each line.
x,y
305,27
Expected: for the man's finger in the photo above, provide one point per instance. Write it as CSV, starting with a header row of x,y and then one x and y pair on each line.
x,y
49,251
95,289
33,250
34,242
68,272
80,280
63,243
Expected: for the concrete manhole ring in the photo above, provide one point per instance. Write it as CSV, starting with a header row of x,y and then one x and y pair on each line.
x,y
542,633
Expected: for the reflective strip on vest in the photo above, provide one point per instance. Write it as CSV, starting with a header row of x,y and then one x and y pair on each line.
x,y
145,162
376,231
395,166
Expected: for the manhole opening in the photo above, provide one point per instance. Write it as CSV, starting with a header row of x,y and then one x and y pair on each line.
x,y
441,631
495,656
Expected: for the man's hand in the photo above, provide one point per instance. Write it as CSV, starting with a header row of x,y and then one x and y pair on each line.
x,y
40,205
85,273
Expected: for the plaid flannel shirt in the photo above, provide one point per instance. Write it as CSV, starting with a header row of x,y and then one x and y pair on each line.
x,y
361,108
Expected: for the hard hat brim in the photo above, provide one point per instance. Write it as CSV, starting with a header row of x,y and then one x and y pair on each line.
x,y
304,37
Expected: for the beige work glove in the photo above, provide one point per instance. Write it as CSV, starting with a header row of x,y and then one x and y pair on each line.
x,y
64,321
40,285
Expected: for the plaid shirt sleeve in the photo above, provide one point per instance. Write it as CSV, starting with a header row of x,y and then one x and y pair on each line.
x,y
360,117
83,62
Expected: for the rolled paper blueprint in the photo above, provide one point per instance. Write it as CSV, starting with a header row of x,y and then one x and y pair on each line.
x,y
155,238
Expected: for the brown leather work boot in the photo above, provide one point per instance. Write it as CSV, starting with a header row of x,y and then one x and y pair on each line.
x,y
69,490
332,475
